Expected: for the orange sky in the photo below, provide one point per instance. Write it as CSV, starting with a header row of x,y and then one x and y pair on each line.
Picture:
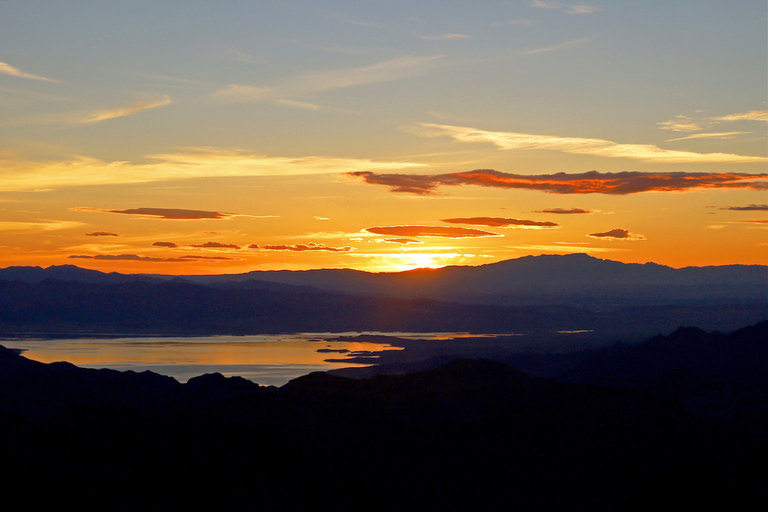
x,y
183,139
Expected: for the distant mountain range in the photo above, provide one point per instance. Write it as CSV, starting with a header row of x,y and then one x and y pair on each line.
x,y
543,293
574,280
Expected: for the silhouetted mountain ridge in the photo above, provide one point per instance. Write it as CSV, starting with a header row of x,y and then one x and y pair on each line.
x,y
574,279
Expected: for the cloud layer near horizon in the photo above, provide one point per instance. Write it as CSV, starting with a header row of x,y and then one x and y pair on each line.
x,y
430,231
750,208
501,222
566,211
617,234
592,182
102,233
162,213
309,246
150,259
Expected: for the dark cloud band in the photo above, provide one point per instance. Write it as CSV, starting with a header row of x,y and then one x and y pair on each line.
x,y
500,222
163,213
101,233
617,234
566,211
309,246
135,257
592,182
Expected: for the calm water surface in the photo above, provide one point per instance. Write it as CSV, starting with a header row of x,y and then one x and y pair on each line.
x,y
264,359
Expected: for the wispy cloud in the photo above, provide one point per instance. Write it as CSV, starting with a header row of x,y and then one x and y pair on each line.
x,y
578,145
386,71
617,234
7,69
443,37
88,117
162,213
302,105
244,93
201,162
722,135
569,8
501,222
430,231
38,225
593,182
683,123
563,46
753,115
316,81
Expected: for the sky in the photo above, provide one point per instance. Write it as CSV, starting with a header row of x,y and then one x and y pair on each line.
x,y
198,137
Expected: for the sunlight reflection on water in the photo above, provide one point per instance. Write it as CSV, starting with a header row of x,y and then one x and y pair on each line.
x,y
264,359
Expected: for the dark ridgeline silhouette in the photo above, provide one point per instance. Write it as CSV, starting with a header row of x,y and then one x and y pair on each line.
x,y
573,279
678,419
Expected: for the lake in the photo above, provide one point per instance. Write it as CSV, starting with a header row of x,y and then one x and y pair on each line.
x,y
264,359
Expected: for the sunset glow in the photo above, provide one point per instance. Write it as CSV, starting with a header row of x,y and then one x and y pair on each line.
x,y
201,138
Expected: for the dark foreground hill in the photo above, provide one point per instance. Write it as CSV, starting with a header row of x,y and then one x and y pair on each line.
x,y
466,435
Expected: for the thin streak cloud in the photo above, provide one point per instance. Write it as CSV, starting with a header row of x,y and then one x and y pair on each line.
x,y
7,69
316,81
583,146
199,162
411,231
386,71
88,117
443,37
40,225
753,115
722,135
563,46
162,213
500,222
569,8
563,248
151,259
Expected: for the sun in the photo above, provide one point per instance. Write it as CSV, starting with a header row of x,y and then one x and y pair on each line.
x,y
399,262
